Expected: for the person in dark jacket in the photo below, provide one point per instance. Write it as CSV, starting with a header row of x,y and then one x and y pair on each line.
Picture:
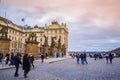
x,y
26,65
78,58
82,56
1,56
110,57
95,56
11,59
42,57
85,58
17,61
31,57
107,57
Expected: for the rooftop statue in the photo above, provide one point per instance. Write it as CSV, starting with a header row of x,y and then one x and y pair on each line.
x,y
32,37
63,47
59,42
52,41
4,32
46,41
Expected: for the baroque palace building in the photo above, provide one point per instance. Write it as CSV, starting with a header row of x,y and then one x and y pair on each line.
x,y
18,35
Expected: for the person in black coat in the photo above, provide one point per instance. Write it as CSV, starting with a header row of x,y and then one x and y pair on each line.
x,y
85,58
110,57
82,57
42,57
78,58
17,61
1,56
11,59
31,57
26,65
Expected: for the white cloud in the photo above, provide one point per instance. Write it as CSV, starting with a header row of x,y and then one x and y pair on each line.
x,y
90,22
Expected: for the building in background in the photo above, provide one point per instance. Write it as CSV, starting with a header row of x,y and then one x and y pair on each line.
x,y
18,34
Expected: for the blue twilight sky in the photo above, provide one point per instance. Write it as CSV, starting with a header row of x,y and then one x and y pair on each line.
x,y
93,24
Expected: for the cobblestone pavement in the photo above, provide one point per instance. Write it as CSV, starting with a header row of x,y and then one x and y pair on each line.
x,y
68,69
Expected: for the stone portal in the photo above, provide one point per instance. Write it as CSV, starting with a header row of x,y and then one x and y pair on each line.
x,y
32,48
32,45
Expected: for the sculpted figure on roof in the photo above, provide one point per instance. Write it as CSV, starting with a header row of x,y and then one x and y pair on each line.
x,y
53,41
32,37
59,42
46,40
4,32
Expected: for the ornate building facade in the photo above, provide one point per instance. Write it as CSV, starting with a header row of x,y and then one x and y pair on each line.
x,y
18,35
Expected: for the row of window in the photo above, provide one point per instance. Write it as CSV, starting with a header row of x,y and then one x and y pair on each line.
x,y
54,32
20,39
14,38
20,34
14,32
47,32
37,34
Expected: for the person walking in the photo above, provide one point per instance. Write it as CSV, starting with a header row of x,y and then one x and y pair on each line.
x,y
32,60
85,58
42,57
26,65
11,59
1,56
78,58
95,56
46,55
110,57
82,56
107,57
17,61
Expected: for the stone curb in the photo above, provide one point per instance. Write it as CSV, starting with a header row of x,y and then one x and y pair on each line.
x,y
52,61
55,61
59,59
4,68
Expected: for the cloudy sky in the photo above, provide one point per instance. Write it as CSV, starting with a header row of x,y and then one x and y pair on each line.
x,y
93,24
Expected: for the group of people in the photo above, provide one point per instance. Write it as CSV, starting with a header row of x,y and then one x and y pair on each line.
x,y
8,57
96,56
109,57
56,55
83,58
16,60
26,62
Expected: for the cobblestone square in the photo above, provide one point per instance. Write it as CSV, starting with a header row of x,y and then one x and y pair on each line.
x,y
68,69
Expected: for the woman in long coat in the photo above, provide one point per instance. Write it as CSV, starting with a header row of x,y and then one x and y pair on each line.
x,y
26,65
